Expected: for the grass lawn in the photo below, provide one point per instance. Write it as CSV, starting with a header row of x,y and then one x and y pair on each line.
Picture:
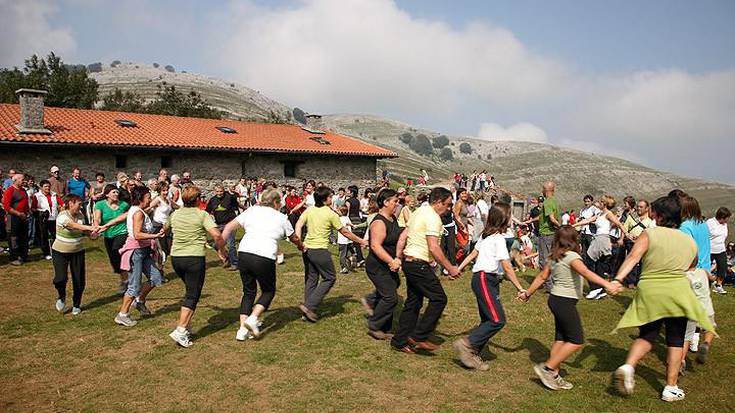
x,y
54,362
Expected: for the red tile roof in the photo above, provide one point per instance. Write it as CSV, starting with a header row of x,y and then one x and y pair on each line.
x,y
96,127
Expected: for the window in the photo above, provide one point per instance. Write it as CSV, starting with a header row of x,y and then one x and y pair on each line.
x,y
289,169
225,129
121,161
320,140
126,123
167,162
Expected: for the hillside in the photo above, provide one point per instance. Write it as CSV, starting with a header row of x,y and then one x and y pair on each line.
x,y
519,166
238,101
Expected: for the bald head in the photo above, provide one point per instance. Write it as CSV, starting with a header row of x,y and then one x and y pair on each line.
x,y
18,180
549,188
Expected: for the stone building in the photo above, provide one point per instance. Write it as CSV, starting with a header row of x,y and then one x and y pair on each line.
x,y
32,138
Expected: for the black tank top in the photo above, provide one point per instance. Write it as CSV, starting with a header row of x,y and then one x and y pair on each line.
x,y
354,211
392,233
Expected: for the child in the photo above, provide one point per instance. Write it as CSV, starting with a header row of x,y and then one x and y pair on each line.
x,y
492,262
566,269
699,280
343,242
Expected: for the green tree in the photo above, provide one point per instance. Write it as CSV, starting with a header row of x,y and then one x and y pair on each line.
x,y
465,147
440,141
421,145
173,102
406,138
67,86
123,102
299,115
446,154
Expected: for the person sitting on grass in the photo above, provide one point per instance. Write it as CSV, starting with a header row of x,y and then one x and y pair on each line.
x,y
493,263
567,269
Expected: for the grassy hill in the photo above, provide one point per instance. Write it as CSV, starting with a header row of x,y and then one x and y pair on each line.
x,y
520,167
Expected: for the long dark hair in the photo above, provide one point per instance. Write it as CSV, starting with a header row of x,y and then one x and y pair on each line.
x,y
498,219
566,239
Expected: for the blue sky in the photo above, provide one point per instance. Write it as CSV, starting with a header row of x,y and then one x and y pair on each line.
x,y
652,81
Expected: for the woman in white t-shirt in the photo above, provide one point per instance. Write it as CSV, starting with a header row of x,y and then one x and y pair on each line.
x,y
493,263
718,252
264,226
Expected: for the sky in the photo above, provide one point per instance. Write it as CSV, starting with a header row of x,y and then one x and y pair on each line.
x,y
652,82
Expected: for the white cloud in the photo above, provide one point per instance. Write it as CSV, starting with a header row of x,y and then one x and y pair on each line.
x,y
25,29
519,132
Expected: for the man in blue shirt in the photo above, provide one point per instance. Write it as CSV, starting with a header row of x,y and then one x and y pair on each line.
x,y
9,180
79,186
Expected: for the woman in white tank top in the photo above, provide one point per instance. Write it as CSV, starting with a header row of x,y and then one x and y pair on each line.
x,y
160,209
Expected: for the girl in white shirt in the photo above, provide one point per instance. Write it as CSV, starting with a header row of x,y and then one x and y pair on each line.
x,y
493,263
718,253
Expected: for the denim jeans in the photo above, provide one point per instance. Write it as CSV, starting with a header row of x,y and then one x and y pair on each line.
x,y
231,250
142,263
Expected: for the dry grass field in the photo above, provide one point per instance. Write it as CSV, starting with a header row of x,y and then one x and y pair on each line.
x,y
59,362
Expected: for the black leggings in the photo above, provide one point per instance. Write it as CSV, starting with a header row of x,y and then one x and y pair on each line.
x,y
256,269
675,329
567,324
65,262
113,245
191,270
721,261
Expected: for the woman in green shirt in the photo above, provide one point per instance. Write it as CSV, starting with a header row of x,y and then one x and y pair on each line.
x,y
112,212
67,253
190,226
664,295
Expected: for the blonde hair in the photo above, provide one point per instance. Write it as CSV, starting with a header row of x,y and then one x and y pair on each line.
x,y
608,201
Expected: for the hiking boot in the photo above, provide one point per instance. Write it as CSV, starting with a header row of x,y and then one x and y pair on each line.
x,y
468,355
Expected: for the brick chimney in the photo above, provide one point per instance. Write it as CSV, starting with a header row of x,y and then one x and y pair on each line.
x,y
314,122
31,111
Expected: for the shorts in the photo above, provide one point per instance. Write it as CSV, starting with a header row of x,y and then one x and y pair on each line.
x,y
675,329
692,328
567,324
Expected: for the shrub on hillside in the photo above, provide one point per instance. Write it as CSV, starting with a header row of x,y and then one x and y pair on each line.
x,y
299,115
440,141
489,156
94,67
421,145
406,138
156,65
115,63
465,147
170,68
446,154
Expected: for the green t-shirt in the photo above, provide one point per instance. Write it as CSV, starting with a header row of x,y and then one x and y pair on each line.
x,y
319,223
548,208
189,227
108,214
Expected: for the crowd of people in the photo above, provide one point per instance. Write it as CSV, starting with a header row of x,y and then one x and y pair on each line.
x,y
665,249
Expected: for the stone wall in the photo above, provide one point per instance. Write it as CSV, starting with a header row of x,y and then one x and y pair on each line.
x,y
207,167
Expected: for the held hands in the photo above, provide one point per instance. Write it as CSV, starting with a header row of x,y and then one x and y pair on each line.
x,y
453,272
395,265
614,287
523,296
364,243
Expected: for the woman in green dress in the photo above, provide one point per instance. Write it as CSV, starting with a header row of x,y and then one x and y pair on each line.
x,y
664,296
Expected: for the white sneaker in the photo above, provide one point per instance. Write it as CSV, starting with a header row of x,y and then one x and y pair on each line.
x,y
125,320
624,380
672,394
280,258
601,294
181,337
593,293
242,334
47,258
719,290
60,306
694,344
251,323
76,311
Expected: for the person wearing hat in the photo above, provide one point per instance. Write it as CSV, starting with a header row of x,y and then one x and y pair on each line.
x,y
58,185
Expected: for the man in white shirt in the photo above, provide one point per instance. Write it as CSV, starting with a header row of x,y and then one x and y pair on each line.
x,y
588,231
718,252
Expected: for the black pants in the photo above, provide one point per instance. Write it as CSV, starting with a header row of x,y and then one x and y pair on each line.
x,y
256,269
450,244
45,232
113,245
65,262
191,270
721,261
384,299
584,242
635,274
164,242
421,282
675,330
602,268
567,324
317,264
345,249
17,237
486,287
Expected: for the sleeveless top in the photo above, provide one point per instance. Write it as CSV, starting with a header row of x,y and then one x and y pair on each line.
x,y
373,264
147,224
354,211
603,225
162,211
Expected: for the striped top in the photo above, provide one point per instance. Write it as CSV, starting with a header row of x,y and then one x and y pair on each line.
x,y
68,240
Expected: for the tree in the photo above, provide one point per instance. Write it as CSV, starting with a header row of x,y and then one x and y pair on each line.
x,y
406,138
123,102
299,115
446,154
172,102
421,145
465,147
67,86
440,141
